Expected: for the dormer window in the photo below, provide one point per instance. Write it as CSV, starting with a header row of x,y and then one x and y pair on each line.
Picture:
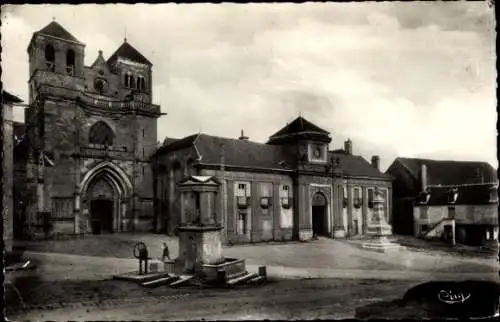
x,y
243,195
286,197
50,56
452,196
424,197
70,62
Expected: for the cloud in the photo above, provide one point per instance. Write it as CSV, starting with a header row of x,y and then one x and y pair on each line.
x,y
398,78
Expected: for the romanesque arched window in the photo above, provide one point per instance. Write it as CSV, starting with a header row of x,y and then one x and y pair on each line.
x,y
101,133
141,84
50,57
70,62
129,80
132,82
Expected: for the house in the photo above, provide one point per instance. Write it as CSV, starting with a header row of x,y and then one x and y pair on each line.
x,y
291,187
470,210
9,101
422,190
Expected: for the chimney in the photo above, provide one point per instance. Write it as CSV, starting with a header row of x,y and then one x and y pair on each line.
x,y
376,162
243,137
423,176
348,146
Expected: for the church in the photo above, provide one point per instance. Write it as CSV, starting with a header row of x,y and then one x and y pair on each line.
x,y
92,165
290,188
89,133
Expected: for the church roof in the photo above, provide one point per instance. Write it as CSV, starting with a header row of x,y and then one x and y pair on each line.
x,y
54,29
127,51
446,172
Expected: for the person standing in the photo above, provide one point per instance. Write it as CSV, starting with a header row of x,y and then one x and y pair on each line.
x,y
165,252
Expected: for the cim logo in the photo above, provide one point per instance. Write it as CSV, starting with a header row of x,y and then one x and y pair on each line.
x,y
450,297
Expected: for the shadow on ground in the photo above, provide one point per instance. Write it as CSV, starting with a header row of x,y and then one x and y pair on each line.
x,y
440,300
32,292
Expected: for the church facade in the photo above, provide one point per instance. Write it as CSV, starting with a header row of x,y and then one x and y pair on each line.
x,y
290,188
90,131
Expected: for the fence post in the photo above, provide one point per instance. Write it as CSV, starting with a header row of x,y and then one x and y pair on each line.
x,y
263,271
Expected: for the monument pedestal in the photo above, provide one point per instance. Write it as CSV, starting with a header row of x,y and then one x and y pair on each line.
x,y
197,246
378,229
200,238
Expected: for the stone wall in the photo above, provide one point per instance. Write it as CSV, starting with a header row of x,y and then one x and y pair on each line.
x,y
7,177
263,224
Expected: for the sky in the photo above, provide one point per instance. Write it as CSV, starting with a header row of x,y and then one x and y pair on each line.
x,y
413,79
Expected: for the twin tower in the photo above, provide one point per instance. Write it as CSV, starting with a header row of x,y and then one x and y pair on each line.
x,y
91,131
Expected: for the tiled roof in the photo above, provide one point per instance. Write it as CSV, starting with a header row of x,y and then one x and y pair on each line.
x,y
177,144
478,194
240,153
357,166
127,51
248,154
168,140
10,98
299,125
450,172
54,29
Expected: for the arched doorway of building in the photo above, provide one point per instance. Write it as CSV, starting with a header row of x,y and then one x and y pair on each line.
x,y
102,216
101,198
319,214
105,192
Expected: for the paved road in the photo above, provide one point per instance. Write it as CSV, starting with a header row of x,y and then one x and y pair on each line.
x,y
55,267
346,286
295,299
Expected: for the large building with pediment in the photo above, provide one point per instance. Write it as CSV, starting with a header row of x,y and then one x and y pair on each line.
x,y
290,188
90,131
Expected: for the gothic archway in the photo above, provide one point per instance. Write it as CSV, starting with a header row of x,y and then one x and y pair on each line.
x,y
319,211
105,190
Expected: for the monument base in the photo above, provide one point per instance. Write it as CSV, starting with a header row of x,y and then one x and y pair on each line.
x,y
382,244
199,245
231,266
379,230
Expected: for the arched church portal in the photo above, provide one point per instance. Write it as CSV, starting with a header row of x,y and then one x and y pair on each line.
x,y
319,212
106,191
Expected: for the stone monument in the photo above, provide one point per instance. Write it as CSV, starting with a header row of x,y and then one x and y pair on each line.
x,y
200,242
378,229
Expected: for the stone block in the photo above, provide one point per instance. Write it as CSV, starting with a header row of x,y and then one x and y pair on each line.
x,y
305,234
